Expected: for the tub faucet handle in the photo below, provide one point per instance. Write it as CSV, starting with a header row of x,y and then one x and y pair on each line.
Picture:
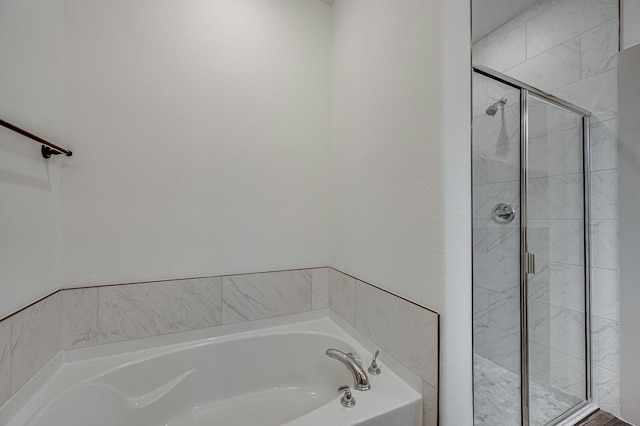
x,y
373,368
347,399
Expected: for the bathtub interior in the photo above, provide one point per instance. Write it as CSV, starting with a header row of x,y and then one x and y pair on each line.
x,y
273,379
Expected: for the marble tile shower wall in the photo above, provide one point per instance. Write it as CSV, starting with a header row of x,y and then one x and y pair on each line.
x,y
77,318
567,48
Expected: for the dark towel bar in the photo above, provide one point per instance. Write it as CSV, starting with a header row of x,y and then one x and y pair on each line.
x,y
48,148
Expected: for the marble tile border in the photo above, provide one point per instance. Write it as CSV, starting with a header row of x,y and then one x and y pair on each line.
x,y
406,330
86,316
80,317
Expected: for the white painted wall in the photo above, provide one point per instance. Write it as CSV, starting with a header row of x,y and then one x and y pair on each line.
x,y
201,131
629,169
629,19
30,96
400,159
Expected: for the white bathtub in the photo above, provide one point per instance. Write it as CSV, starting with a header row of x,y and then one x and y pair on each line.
x,y
271,376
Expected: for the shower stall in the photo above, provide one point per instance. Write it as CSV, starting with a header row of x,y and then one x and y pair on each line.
x,y
530,255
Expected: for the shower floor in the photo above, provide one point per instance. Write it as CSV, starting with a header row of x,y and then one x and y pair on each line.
x,y
497,397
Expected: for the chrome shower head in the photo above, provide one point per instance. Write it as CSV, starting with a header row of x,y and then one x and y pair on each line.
x,y
493,108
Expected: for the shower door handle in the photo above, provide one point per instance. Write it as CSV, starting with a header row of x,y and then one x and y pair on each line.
x,y
531,263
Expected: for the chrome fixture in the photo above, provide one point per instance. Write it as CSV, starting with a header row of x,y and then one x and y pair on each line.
x,y
360,379
373,368
493,108
347,399
503,213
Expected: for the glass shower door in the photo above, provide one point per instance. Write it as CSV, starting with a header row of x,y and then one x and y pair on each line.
x,y
496,252
554,228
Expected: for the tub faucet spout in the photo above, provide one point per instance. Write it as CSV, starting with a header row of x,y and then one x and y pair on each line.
x,y
360,378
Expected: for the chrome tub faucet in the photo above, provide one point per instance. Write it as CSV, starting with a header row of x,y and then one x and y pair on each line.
x,y
360,378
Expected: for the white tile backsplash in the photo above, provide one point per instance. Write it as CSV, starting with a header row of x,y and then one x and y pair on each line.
x,y
79,318
407,331
5,361
257,296
148,309
35,339
342,295
429,405
320,288
87,316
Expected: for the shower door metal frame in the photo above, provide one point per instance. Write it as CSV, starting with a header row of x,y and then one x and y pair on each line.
x,y
587,406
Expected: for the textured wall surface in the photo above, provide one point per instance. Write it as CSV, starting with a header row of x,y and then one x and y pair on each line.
x,y
202,131
31,98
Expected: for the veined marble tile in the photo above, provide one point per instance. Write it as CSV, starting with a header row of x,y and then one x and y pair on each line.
x,y
568,374
604,145
598,94
520,19
496,273
35,339
479,168
558,153
557,67
606,390
429,405
503,52
480,94
600,49
485,197
540,364
499,347
503,240
559,285
5,361
606,293
480,236
540,323
407,331
147,309
497,90
496,394
604,194
566,20
497,397
604,244
546,119
257,296
498,130
503,162
556,197
557,241
479,44
342,295
606,342
504,310
567,332
79,318
540,283
480,306
320,288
